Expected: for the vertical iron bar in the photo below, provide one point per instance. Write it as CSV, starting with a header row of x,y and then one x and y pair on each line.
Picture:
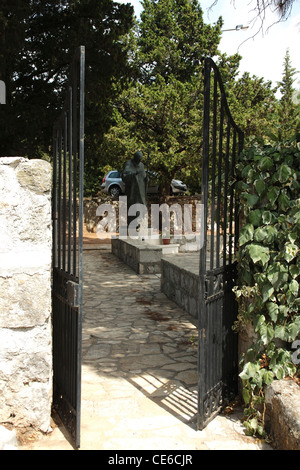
x,y
213,171
54,199
64,192
202,310
219,182
232,192
80,241
75,150
226,192
59,201
237,206
70,178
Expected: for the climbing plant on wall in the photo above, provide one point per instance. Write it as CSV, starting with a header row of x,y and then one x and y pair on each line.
x,y
269,269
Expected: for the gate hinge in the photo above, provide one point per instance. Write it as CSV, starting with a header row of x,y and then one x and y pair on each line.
x,y
73,294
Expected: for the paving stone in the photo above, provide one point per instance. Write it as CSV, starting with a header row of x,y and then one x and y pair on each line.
x,y
139,369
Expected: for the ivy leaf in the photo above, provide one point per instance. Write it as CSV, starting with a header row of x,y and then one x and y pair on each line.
x,y
290,369
246,234
294,271
266,333
246,171
265,234
284,173
248,371
267,217
246,396
279,372
255,217
260,186
252,370
292,236
267,291
260,234
290,251
284,310
265,164
280,332
259,321
251,199
294,329
268,377
273,311
259,253
273,194
277,275
294,287
284,202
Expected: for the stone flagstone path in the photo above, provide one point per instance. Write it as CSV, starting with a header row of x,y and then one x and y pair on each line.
x,y
139,335
139,369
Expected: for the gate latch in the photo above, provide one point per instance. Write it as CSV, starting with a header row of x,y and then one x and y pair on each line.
x,y
73,294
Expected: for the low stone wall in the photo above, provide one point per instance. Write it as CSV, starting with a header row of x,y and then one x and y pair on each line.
x,y
25,299
91,204
180,280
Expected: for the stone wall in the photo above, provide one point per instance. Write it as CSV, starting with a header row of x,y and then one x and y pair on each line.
x,y
283,414
91,204
180,281
25,294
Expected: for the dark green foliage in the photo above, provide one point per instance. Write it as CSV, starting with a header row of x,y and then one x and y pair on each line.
x,y
269,268
162,110
38,41
173,38
254,105
288,110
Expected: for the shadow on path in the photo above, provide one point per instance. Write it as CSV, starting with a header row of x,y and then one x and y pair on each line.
x,y
132,331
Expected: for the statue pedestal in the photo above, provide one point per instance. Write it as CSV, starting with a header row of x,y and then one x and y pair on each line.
x,y
144,253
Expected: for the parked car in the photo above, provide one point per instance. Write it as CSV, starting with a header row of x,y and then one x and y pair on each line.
x,y
114,185
178,186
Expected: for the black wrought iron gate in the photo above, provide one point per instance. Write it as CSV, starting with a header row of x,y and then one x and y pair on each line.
x,y
222,141
67,215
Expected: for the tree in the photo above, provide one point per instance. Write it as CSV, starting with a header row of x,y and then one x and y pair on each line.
x,y
288,110
162,111
254,105
38,41
163,118
173,39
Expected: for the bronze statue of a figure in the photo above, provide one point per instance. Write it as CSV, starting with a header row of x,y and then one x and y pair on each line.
x,y
135,179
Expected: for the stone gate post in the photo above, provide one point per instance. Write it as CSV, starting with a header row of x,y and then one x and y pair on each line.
x,y
25,294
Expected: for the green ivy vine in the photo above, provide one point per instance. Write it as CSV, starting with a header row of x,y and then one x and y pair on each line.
x,y
268,269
